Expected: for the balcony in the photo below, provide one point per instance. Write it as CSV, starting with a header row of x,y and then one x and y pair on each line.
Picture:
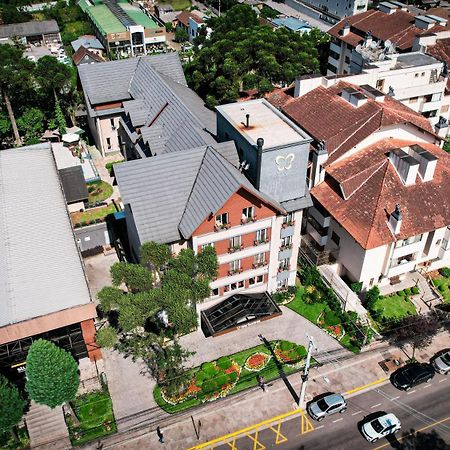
x,y
315,254
257,242
290,223
284,268
259,264
235,248
246,220
235,271
321,239
402,265
405,248
285,247
320,217
222,226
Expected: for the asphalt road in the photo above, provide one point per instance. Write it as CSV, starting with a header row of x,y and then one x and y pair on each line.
x,y
424,408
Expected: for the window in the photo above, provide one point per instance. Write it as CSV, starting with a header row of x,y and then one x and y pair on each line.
x,y
444,109
331,68
283,264
235,266
256,280
335,238
235,243
422,74
416,75
334,55
108,143
248,214
347,60
436,97
286,242
113,126
380,84
211,244
234,286
445,244
261,236
259,260
282,284
413,99
215,292
222,220
288,219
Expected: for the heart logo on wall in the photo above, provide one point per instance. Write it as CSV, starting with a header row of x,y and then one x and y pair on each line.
x,y
284,162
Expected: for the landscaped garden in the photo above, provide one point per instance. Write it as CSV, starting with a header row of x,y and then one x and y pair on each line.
x,y
8,442
95,413
442,283
92,215
232,374
99,191
319,304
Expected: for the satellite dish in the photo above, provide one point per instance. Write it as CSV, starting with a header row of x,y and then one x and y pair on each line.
x,y
387,43
373,45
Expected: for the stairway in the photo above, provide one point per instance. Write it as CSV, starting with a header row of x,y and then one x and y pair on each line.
x,y
47,428
427,295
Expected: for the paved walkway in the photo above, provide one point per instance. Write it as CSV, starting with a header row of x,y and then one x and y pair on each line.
x,y
351,376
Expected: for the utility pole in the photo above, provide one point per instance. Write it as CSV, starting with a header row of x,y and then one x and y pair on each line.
x,y
311,345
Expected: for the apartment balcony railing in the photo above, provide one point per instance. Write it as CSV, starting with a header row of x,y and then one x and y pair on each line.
x,y
235,248
222,226
259,264
285,247
235,271
315,254
290,223
248,220
257,242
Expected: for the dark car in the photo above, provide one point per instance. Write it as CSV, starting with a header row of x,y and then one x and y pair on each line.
x,y
411,375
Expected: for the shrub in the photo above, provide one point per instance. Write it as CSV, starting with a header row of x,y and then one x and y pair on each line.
x,y
442,288
372,296
285,346
209,370
445,272
401,293
300,351
209,386
200,377
232,377
331,318
407,291
292,290
415,290
106,337
224,363
221,380
356,287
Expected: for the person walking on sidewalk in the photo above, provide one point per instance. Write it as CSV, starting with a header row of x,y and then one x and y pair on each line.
x,y
262,383
160,435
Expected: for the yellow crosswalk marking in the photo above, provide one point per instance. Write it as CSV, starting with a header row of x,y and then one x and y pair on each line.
x,y
280,438
306,425
256,442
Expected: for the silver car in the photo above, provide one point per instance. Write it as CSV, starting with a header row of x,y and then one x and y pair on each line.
x,y
325,406
442,363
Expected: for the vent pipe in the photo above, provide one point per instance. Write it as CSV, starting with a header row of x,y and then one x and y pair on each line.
x,y
395,219
259,146
247,120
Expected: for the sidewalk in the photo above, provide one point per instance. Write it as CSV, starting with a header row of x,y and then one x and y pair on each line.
x,y
242,410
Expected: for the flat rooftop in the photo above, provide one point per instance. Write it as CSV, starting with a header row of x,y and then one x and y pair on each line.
x,y
265,122
105,20
416,59
138,16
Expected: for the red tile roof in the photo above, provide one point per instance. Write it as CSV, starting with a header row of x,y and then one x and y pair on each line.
x,y
327,117
373,188
82,52
398,27
441,50
183,17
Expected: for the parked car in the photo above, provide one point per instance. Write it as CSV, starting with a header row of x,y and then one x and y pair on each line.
x,y
441,364
411,375
327,405
379,427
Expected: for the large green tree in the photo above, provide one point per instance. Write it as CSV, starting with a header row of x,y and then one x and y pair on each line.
x,y
52,374
12,406
242,54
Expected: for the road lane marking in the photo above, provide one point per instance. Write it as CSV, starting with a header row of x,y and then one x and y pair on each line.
x,y
441,381
338,420
395,398
318,428
374,406
427,386
357,412
360,388
411,392
417,431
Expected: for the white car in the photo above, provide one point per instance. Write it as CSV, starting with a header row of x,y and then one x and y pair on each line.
x,y
442,363
380,427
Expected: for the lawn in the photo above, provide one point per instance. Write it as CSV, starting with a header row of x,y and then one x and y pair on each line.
x,y
99,191
309,311
95,413
392,307
443,286
180,5
245,378
92,215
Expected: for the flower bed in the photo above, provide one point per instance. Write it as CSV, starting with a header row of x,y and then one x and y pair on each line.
x,y
232,374
335,330
257,362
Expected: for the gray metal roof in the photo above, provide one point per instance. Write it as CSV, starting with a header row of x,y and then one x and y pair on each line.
x,y
74,184
172,194
87,42
40,268
32,28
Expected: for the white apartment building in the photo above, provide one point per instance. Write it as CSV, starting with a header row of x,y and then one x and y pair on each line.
x,y
333,11
379,182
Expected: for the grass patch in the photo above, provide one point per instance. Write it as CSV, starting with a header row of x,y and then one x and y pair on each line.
x,y
92,215
309,311
246,380
99,191
7,442
95,413
180,5
392,307
442,284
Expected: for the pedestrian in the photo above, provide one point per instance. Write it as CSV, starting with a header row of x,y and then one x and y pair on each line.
x,y
160,435
99,445
262,383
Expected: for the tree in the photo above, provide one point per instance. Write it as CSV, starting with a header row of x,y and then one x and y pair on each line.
x,y
418,331
155,254
59,118
181,35
53,77
31,125
169,27
14,78
12,406
106,337
52,374
135,277
417,440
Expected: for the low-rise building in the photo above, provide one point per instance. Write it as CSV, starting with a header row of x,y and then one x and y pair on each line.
x,y
85,56
370,153
142,106
36,32
43,287
334,10
123,28
291,23
391,27
90,43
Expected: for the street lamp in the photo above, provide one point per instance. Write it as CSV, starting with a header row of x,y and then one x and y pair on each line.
x,y
301,398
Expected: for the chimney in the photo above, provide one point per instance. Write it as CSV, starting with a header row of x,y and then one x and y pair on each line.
x,y
259,146
395,219
427,161
405,165
373,93
424,22
346,29
247,120
441,127
354,97
387,7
